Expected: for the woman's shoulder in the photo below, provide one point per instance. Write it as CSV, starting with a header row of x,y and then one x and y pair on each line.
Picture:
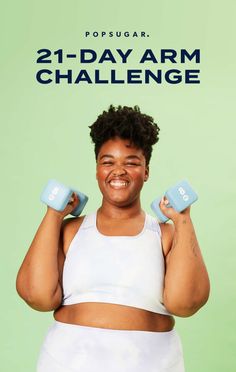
x,y
71,223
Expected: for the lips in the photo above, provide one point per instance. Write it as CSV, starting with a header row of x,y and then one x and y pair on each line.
x,y
118,183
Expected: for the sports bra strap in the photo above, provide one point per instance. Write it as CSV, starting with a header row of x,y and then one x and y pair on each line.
x,y
89,221
152,224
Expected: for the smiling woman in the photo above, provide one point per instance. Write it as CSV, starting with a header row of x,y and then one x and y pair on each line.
x,y
110,276
120,167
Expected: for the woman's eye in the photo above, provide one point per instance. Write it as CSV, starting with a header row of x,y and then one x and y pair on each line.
x,y
109,163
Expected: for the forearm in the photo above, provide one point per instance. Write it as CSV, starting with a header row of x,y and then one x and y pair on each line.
x,y
186,281
38,278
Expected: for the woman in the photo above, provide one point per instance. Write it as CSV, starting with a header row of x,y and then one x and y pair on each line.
x,y
116,277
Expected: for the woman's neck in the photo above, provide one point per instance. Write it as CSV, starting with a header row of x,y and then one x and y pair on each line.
x,y
108,210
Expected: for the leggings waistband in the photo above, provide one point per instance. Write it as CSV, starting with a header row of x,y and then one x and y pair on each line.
x,y
89,349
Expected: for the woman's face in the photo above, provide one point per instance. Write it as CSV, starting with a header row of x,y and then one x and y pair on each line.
x,y
121,172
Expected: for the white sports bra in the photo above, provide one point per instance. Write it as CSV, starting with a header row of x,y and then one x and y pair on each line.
x,y
125,270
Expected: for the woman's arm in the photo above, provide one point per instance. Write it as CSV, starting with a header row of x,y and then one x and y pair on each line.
x,y
187,286
39,278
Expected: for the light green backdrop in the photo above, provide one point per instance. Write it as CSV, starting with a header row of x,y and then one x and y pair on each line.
x,y
44,134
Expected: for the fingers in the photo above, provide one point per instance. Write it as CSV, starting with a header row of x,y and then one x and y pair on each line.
x,y
170,212
74,200
71,205
164,201
165,207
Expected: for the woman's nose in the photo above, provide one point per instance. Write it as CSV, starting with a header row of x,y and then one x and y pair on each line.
x,y
118,170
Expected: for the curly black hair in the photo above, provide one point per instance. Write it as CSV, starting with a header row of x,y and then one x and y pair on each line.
x,y
126,123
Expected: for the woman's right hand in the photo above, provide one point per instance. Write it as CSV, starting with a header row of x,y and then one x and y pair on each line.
x,y
73,203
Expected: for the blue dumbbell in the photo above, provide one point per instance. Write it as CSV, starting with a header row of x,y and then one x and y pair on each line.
x,y
179,196
57,196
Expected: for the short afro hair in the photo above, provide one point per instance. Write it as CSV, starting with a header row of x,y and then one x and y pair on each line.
x,y
126,123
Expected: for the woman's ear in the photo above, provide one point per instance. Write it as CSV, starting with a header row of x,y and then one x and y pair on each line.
x,y
146,176
96,169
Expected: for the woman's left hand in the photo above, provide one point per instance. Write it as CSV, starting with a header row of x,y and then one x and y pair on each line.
x,y
171,213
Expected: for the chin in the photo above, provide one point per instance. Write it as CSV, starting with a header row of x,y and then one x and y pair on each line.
x,y
121,202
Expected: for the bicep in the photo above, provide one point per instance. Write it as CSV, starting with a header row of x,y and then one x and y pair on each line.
x,y
56,298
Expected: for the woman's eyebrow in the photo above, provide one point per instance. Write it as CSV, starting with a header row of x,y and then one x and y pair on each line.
x,y
106,156
133,157
127,157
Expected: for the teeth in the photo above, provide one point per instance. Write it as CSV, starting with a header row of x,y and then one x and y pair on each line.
x,y
118,183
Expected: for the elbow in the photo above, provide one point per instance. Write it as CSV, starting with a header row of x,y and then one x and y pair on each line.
x,y
39,301
42,306
186,307
183,311
21,288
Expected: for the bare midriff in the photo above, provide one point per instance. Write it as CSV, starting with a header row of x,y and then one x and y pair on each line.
x,y
113,316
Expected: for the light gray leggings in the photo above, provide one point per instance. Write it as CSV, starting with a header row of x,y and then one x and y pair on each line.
x,y
69,347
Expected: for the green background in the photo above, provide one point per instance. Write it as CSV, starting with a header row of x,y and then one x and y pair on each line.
x,y
44,134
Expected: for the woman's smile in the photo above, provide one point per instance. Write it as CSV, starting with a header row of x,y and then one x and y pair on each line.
x,y
118,184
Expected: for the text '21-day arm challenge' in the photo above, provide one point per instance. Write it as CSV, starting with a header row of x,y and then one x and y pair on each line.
x,y
167,66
